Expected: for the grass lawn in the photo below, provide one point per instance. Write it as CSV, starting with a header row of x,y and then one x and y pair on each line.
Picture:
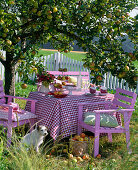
x,y
73,55
113,155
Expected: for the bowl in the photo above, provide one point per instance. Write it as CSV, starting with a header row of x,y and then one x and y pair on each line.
x,y
103,91
60,95
92,91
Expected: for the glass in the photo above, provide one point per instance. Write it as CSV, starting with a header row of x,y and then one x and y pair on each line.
x,y
85,85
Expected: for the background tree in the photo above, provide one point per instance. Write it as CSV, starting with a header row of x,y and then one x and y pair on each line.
x,y
25,24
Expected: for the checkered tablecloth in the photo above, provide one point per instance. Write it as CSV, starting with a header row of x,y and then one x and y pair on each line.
x,y
61,115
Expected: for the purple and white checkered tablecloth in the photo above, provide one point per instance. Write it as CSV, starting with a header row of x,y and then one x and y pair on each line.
x,y
60,115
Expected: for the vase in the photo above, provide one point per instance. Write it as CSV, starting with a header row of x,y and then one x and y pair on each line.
x,y
44,89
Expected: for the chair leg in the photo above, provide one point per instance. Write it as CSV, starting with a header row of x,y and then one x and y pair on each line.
x,y
79,129
110,137
9,135
96,144
32,122
126,124
128,141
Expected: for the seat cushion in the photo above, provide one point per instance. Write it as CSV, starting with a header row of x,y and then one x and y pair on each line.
x,y
22,115
106,120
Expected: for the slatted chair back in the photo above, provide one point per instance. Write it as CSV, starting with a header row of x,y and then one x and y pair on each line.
x,y
124,99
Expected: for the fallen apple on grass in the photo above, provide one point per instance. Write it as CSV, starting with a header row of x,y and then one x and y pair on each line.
x,y
74,160
98,156
70,156
24,86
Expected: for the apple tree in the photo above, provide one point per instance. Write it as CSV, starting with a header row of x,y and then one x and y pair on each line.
x,y
98,26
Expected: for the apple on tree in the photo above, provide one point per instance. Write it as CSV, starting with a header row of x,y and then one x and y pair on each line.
x,y
55,9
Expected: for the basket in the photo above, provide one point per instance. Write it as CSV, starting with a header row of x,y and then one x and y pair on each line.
x,y
78,148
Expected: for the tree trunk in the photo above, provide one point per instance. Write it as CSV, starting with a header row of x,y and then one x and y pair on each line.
x,y
9,76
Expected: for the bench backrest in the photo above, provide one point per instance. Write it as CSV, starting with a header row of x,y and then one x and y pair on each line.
x,y
84,74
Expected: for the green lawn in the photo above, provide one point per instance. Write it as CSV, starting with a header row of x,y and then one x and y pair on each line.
x,y
136,64
73,55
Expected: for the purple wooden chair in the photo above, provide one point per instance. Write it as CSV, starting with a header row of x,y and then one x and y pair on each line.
x,y
11,116
123,103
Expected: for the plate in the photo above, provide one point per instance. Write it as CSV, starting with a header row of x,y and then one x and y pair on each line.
x,y
103,94
60,96
90,94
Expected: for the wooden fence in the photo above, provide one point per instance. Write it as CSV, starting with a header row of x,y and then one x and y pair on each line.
x,y
55,61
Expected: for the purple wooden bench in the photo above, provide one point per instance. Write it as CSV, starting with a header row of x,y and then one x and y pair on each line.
x,y
84,74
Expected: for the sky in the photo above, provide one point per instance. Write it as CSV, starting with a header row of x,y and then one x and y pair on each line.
x,y
134,12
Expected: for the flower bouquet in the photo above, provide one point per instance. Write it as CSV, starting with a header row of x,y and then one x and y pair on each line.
x,y
45,79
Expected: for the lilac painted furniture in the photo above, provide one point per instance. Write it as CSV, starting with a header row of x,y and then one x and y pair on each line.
x,y
84,74
121,99
10,118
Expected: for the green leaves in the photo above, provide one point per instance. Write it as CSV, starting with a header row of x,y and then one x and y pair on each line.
x,y
97,31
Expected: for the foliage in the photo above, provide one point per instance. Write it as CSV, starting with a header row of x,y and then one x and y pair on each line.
x,y
27,69
98,26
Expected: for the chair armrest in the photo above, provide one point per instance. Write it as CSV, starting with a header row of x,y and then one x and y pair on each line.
x,y
33,101
94,103
22,98
114,110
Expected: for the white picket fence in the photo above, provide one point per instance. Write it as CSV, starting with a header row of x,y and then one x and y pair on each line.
x,y
55,61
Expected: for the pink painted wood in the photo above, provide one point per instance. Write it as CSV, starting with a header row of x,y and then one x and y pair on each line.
x,y
6,114
121,99
84,74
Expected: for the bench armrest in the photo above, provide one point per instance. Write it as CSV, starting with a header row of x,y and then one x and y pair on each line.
x,y
21,98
